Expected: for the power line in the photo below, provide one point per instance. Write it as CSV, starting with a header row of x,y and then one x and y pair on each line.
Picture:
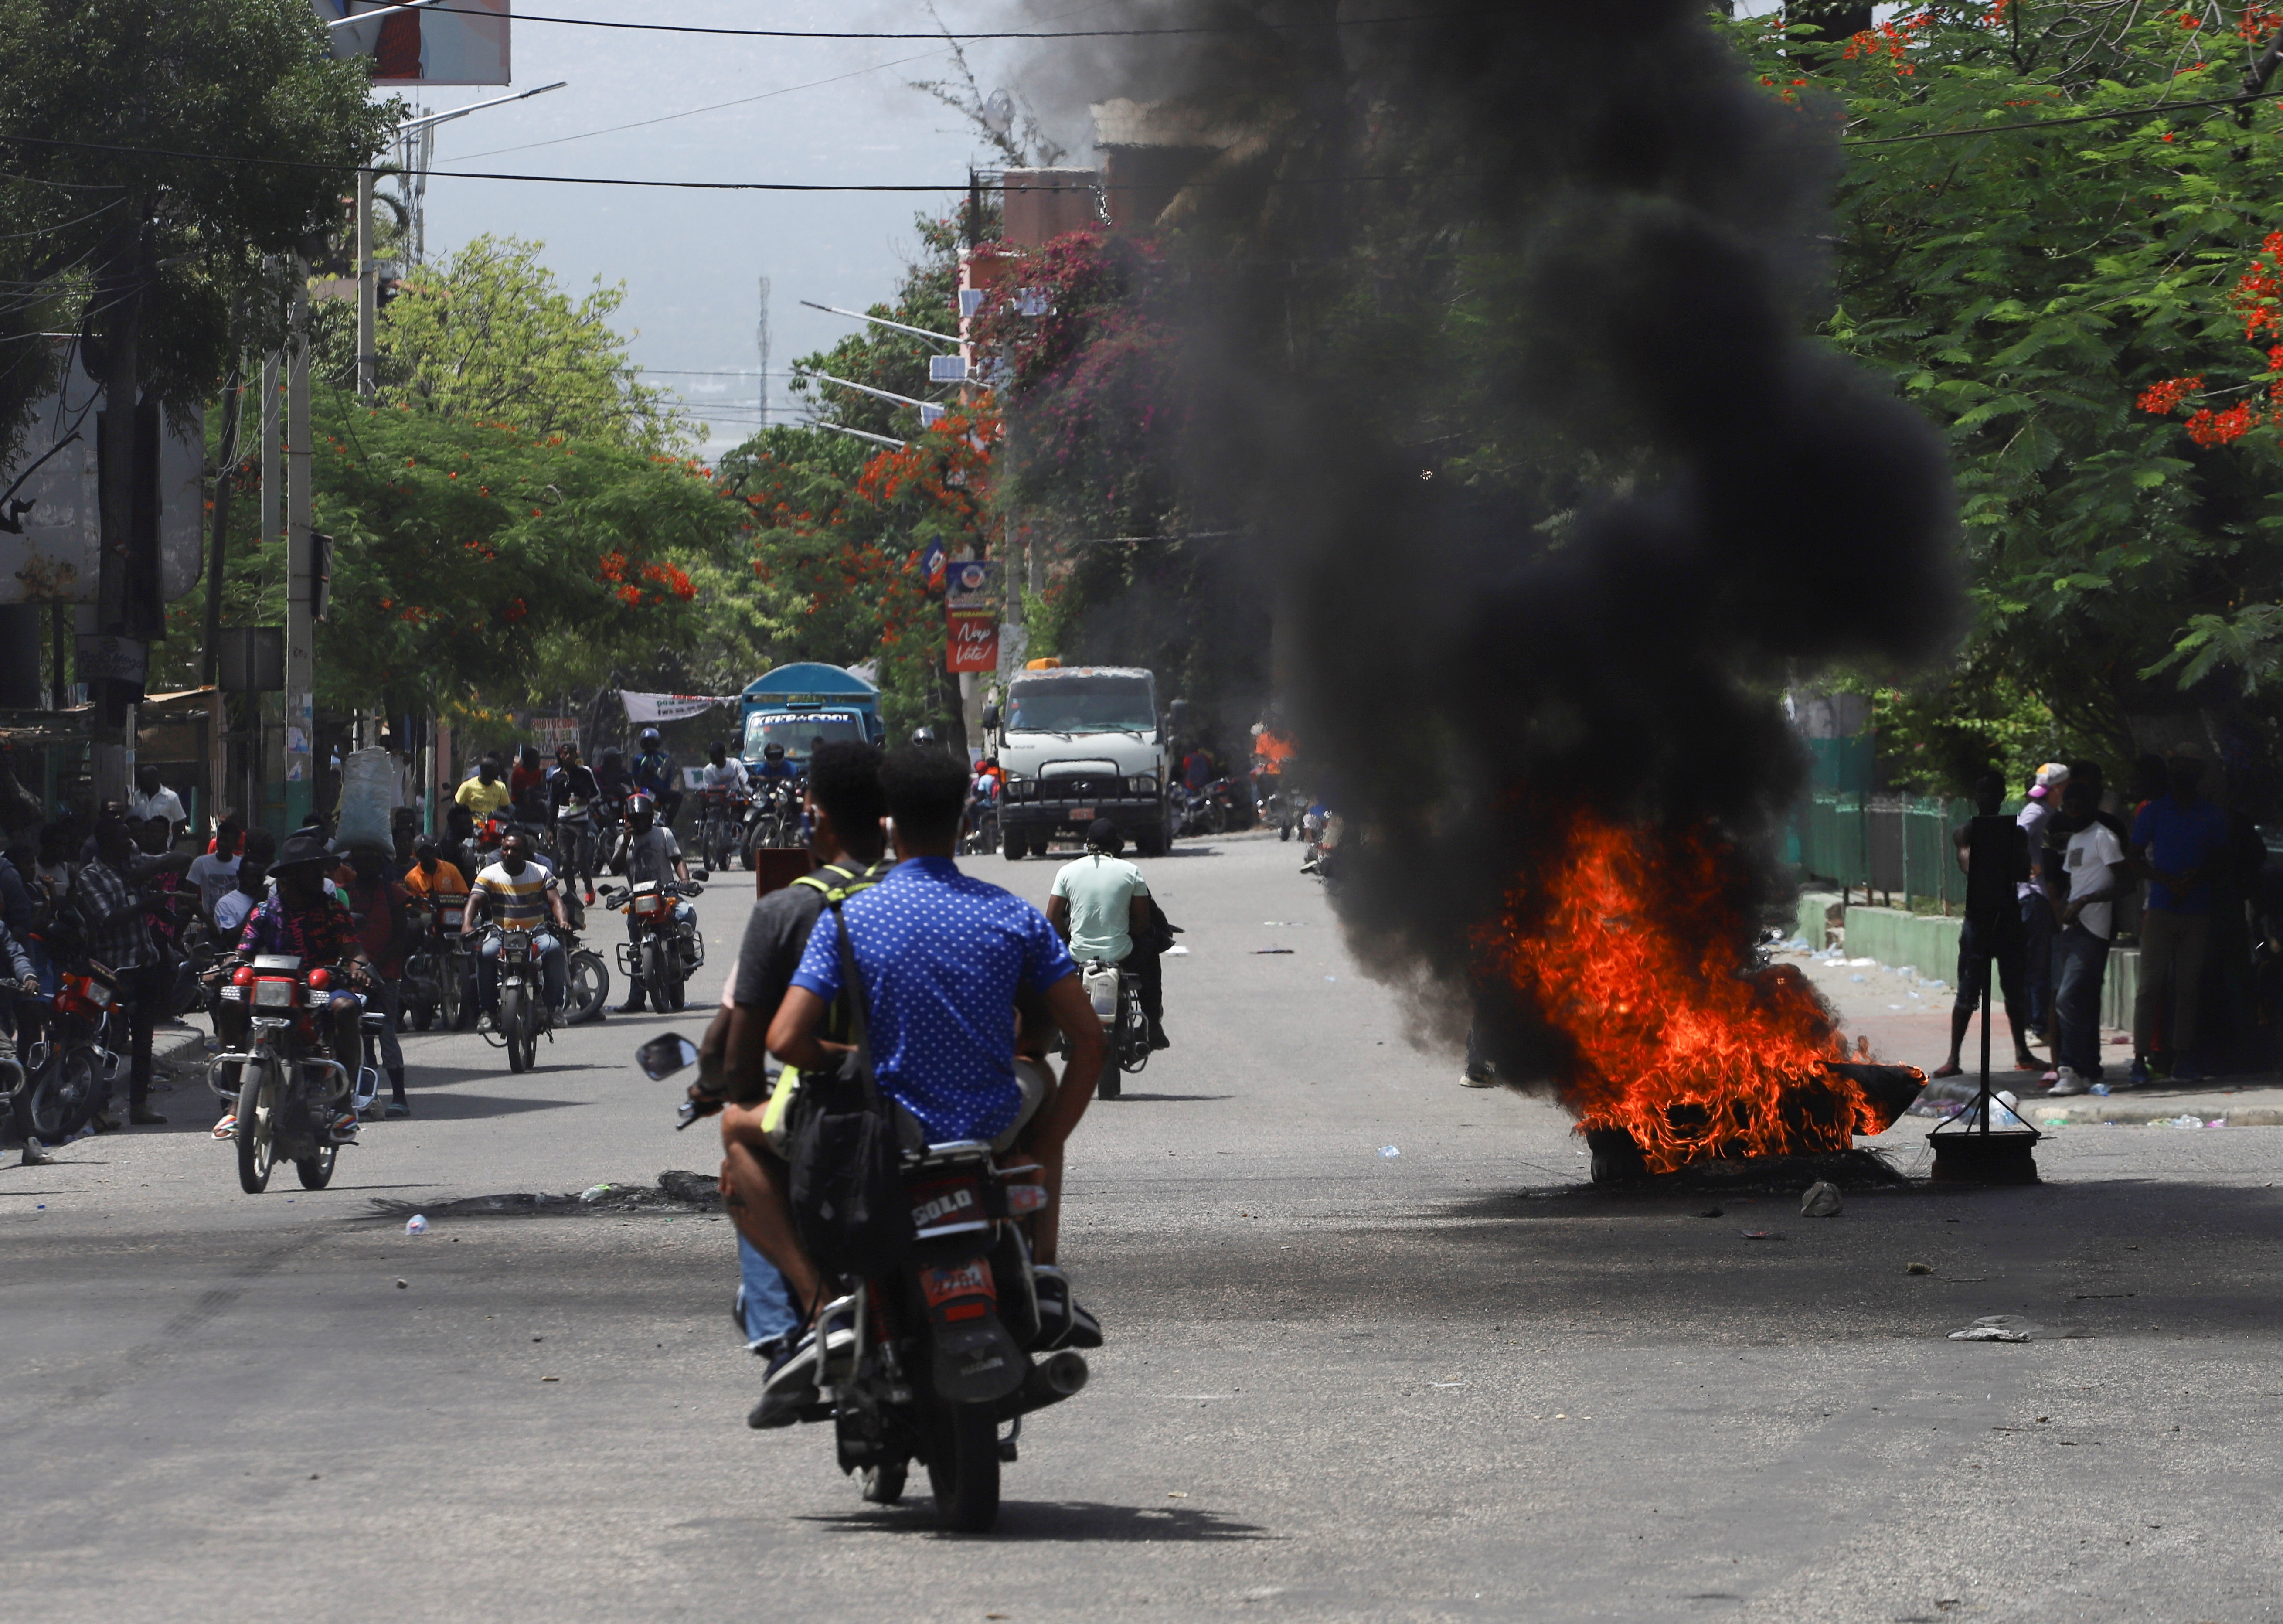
x,y
952,35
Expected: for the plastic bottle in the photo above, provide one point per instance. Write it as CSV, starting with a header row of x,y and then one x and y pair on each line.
x,y
416,1225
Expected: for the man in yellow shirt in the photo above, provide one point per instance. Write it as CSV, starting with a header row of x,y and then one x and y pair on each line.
x,y
485,794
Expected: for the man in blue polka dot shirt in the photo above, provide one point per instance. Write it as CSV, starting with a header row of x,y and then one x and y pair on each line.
x,y
945,959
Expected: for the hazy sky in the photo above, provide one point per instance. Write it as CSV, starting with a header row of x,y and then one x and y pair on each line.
x,y
690,259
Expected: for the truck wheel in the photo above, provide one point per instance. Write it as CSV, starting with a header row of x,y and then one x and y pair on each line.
x,y
1012,846
1152,842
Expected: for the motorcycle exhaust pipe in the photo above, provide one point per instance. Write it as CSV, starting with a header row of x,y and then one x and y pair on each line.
x,y
1052,1379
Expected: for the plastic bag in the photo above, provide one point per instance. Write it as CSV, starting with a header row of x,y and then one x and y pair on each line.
x,y
368,798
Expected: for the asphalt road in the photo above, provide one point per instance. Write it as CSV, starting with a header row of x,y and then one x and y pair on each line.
x,y
1340,1384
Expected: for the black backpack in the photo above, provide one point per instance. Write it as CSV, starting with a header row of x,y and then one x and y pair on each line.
x,y
847,1191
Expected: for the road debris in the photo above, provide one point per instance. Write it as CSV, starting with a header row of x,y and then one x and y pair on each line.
x,y
1821,1201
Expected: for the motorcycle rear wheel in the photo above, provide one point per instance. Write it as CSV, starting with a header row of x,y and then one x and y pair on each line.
x,y
259,1099
61,1098
962,1463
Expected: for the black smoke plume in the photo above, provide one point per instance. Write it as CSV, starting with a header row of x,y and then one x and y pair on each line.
x,y
1502,344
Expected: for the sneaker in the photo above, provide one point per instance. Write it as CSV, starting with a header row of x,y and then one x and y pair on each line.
x,y
227,1128
397,1108
35,1154
1477,1077
790,1388
2138,1077
2068,1082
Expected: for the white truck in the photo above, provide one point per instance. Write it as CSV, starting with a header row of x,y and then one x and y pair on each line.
x,y
1078,743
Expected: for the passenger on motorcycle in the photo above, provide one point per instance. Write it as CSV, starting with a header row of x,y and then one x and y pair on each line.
x,y
385,931
648,852
612,775
655,776
1100,905
845,807
307,919
945,960
520,896
483,794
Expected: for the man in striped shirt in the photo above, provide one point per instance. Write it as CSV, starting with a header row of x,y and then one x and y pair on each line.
x,y
519,895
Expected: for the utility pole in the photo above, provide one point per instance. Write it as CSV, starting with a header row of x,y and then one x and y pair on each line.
x,y
301,623
765,352
368,362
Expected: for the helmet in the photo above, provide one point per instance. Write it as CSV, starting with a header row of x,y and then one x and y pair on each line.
x,y
775,753
640,806
921,737
650,738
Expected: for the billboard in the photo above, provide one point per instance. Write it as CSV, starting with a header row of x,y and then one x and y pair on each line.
x,y
460,42
971,640
51,525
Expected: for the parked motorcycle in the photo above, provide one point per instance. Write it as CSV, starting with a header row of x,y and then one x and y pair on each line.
x,y
1273,805
660,951
720,824
1113,995
290,1086
951,1346
1195,812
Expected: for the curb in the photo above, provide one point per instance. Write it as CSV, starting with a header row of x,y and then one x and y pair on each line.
x,y
2040,1113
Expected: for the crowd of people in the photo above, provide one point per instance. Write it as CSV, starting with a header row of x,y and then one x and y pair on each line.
x,y
2164,868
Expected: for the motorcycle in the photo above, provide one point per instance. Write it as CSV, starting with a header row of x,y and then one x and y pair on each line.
x,y
522,1013
1112,993
942,1351
290,1087
1272,805
440,974
657,952
720,824
774,819
1195,812
64,1070
590,977
979,834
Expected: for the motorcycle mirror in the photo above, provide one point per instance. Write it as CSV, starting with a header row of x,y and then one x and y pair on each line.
x,y
666,1054
701,874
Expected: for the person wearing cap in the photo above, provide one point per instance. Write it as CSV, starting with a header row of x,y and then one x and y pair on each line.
x,y
2044,800
2180,841
1101,906
303,917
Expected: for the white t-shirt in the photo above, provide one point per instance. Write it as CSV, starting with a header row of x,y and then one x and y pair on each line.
x,y
729,775
165,804
230,911
213,877
1100,890
2091,861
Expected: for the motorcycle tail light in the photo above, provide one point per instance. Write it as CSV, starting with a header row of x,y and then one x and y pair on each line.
x,y
321,980
243,976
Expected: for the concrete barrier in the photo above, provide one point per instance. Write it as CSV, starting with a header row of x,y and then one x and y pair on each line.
x,y
1928,943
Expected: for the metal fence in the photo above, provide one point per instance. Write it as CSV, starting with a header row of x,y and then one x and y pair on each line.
x,y
1896,845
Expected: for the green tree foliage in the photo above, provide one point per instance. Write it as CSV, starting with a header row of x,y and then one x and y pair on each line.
x,y
2028,274
489,334
160,152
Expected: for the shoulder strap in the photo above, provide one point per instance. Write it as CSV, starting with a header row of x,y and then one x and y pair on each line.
x,y
852,988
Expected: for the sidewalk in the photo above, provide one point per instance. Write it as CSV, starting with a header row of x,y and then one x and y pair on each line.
x,y
1907,1020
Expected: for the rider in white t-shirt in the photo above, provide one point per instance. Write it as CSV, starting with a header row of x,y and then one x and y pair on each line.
x,y
2094,864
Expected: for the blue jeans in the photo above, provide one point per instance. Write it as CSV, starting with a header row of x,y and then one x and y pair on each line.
x,y
2038,962
2080,961
769,1310
553,971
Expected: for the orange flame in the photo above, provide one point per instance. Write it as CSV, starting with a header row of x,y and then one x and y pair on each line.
x,y
1629,948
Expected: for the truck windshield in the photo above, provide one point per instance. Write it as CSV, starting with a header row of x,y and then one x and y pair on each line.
x,y
1082,705
797,732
